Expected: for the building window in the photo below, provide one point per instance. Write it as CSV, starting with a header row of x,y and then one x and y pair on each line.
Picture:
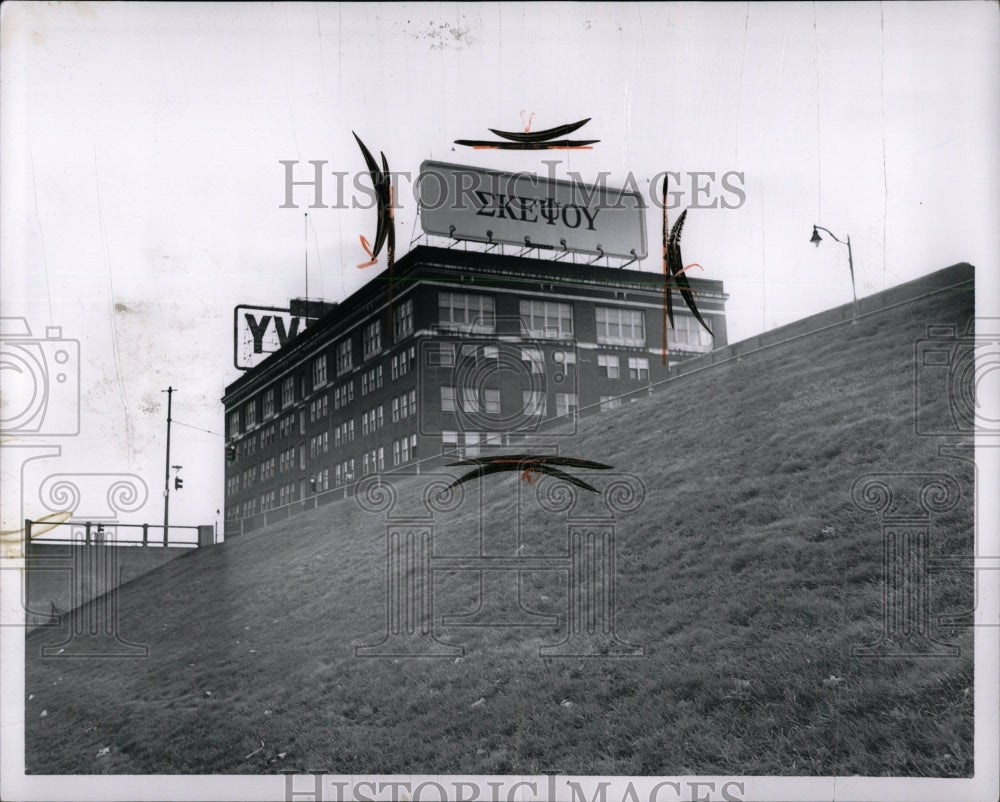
x,y
319,444
343,356
373,461
547,318
371,380
344,433
470,400
688,331
467,313
447,399
268,404
344,472
610,402
449,442
472,441
287,391
491,402
533,402
404,450
318,408
402,362
402,320
372,420
607,366
372,338
446,355
404,405
343,395
620,326
566,360
234,423
534,359
638,368
319,371
566,404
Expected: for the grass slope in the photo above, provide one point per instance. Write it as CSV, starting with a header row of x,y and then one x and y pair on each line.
x,y
747,573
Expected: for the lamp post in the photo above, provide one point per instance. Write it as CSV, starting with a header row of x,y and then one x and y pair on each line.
x,y
816,239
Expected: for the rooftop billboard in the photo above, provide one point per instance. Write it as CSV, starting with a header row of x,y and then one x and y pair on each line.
x,y
527,210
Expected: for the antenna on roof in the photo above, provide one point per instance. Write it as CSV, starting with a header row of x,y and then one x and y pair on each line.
x,y
305,245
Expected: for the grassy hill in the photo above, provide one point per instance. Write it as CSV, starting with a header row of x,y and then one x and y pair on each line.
x,y
747,573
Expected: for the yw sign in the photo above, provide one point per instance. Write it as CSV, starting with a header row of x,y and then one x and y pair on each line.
x,y
262,330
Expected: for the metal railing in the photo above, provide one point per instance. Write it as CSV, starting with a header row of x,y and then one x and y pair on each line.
x,y
97,533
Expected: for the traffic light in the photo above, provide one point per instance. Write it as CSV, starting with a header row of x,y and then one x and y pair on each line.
x,y
178,483
312,484
231,454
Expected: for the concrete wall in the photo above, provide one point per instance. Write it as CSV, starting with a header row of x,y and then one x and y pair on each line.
x,y
64,576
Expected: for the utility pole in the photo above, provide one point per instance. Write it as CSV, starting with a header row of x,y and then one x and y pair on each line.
x,y
166,482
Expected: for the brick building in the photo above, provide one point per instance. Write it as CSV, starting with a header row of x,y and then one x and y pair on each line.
x,y
461,352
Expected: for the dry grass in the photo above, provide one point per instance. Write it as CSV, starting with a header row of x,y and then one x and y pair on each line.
x,y
747,573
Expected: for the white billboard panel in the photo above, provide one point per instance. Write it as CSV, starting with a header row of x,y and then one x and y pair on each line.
x,y
473,203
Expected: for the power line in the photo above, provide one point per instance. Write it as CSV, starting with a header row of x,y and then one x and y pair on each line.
x,y
188,425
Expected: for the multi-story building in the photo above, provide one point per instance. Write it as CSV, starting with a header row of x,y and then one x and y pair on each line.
x,y
457,352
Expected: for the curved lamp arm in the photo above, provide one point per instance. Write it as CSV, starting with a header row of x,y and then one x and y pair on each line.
x,y
816,239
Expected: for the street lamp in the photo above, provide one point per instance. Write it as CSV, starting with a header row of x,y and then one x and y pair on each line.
x,y
816,239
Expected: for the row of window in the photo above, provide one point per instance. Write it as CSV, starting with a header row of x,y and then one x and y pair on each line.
x,y
373,461
372,420
467,313
404,449
403,406
318,408
487,401
286,460
469,443
320,444
371,380
608,367
371,337
470,399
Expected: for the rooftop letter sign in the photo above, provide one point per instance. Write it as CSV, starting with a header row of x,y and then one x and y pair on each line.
x,y
527,210
260,331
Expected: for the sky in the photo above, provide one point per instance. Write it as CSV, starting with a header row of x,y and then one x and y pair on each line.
x,y
142,185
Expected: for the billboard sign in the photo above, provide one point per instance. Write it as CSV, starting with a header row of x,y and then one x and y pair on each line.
x,y
528,210
260,331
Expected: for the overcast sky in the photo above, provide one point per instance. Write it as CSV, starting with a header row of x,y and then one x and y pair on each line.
x,y
142,183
